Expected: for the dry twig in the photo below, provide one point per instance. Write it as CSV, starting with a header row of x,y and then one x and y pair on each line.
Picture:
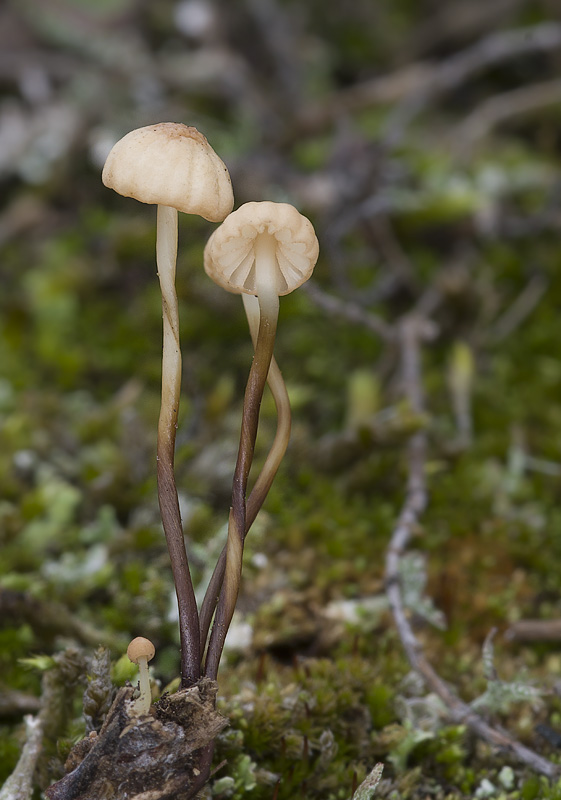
x,y
458,22
451,73
521,308
413,331
19,785
14,703
349,311
49,619
535,630
502,107
415,85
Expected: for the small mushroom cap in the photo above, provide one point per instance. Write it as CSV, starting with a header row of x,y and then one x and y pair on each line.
x,y
170,164
230,251
141,648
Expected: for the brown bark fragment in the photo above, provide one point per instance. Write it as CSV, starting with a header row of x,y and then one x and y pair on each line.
x,y
163,755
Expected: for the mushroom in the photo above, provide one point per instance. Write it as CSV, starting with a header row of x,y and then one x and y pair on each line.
x,y
267,250
173,166
140,651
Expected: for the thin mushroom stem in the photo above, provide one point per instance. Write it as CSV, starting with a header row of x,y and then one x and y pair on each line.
x,y
145,699
284,421
265,266
267,474
166,255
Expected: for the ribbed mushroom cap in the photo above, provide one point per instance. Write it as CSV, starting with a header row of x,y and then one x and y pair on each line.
x,y
230,251
170,164
141,648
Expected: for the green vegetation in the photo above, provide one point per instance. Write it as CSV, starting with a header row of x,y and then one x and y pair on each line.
x,y
315,682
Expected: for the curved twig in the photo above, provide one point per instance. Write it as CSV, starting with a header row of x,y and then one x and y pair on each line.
x,y
413,330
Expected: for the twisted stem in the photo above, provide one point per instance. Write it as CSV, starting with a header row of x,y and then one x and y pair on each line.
x,y
266,476
166,255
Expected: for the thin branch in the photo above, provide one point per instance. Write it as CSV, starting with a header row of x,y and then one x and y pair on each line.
x,y
413,331
49,620
494,49
19,785
14,703
502,107
535,630
520,309
276,33
349,311
385,89
459,22
414,85
451,73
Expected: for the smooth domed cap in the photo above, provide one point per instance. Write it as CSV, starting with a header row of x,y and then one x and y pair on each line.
x,y
170,164
141,648
230,251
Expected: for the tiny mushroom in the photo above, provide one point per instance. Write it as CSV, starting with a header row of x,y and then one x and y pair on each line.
x,y
173,166
263,249
140,651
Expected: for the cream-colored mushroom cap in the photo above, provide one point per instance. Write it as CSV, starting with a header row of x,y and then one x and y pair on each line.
x,y
170,164
230,252
141,648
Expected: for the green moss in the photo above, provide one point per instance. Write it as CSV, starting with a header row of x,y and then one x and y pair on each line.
x,y
9,751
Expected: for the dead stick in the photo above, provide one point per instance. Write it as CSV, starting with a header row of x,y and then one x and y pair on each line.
x,y
413,330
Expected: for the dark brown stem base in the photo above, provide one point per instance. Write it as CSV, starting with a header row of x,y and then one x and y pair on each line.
x,y
188,613
164,755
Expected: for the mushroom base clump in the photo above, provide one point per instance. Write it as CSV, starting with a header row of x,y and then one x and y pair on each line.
x,y
162,757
